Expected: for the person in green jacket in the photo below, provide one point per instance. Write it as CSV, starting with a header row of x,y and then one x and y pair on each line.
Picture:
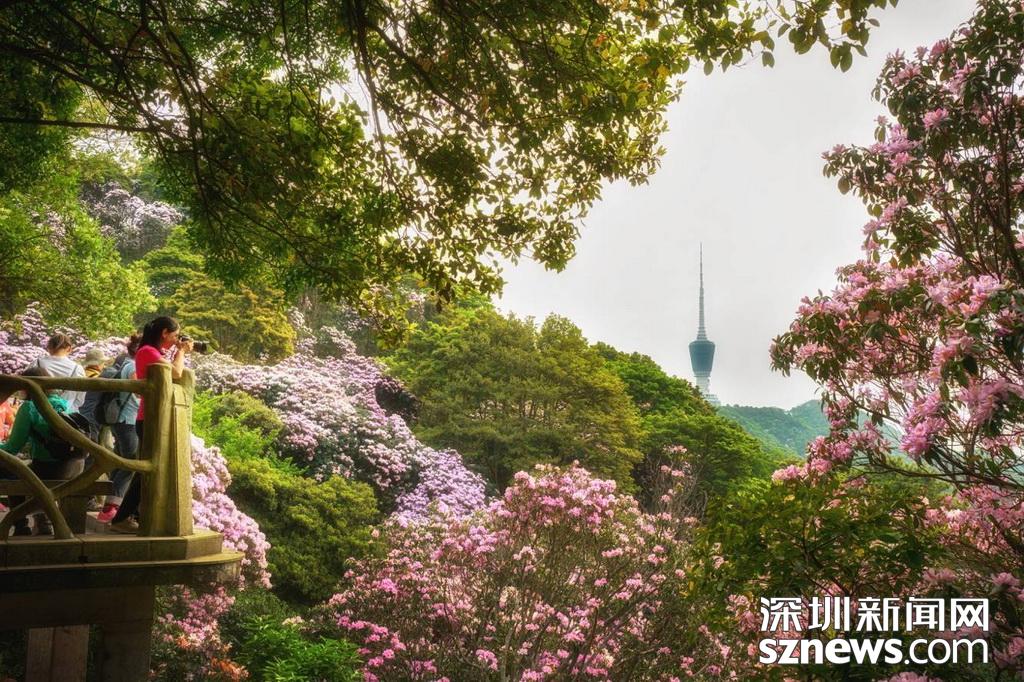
x,y
31,429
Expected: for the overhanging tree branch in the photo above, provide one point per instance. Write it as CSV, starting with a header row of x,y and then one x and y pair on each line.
x,y
15,120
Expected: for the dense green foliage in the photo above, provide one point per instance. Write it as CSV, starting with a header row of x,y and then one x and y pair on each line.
x,y
492,128
219,415
788,552
673,414
313,527
173,265
278,652
34,92
53,252
241,426
509,395
262,633
249,321
783,537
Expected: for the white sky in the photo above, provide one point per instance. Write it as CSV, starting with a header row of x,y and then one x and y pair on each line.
x,y
742,174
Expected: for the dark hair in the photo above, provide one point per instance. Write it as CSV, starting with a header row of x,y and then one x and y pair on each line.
x,y
154,330
58,342
134,341
34,371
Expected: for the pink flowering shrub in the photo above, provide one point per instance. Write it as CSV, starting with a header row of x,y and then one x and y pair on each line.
x,y
335,425
560,578
926,331
214,510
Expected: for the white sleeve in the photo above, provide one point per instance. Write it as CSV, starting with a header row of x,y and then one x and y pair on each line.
x,y
76,398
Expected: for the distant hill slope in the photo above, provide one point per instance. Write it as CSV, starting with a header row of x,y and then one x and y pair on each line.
x,y
788,429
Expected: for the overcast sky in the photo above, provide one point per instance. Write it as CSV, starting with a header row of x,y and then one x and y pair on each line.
x,y
742,174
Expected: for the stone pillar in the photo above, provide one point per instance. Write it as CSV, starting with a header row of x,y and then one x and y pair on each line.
x,y
57,654
123,650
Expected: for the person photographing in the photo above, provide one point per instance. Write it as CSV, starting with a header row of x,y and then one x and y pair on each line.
x,y
158,336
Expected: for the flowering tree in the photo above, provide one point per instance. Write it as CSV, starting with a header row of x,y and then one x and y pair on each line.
x,y
561,578
334,425
55,253
137,226
927,330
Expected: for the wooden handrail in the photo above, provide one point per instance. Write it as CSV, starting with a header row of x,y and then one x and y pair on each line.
x,y
93,384
164,459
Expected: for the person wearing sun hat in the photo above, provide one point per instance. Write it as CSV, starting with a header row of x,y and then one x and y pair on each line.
x,y
94,362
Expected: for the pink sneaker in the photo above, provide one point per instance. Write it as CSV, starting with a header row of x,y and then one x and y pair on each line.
x,y
108,513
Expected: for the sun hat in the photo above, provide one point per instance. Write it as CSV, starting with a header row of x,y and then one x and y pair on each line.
x,y
95,356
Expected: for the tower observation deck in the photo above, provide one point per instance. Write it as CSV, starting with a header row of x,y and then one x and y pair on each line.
x,y
702,350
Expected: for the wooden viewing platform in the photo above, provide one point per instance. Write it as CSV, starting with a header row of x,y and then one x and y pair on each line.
x,y
57,586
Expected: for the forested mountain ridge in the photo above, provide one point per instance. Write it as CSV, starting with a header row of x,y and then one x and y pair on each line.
x,y
790,429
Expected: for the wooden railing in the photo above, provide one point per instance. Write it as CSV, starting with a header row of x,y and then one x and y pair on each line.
x,y
164,457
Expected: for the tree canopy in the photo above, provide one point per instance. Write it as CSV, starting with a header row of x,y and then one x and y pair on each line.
x,y
678,425
249,320
509,395
54,253
341,144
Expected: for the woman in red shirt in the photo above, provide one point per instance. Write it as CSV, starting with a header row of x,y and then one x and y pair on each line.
x,y
158,336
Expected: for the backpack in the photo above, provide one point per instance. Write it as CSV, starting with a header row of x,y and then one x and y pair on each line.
x,y
108,404
57,447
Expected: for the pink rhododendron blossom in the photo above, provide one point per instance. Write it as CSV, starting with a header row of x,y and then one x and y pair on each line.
x,y
335,425
561,577
934,118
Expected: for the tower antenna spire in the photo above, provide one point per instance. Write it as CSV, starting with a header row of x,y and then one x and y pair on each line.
x,y
701,331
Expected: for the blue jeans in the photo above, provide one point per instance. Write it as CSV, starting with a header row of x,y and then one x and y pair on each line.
x,y
126,444
133,497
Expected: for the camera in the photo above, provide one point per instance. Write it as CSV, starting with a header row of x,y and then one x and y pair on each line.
x,y
197,346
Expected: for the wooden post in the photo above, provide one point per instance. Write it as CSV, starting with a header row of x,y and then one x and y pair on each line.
x,y
179,480
157,441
